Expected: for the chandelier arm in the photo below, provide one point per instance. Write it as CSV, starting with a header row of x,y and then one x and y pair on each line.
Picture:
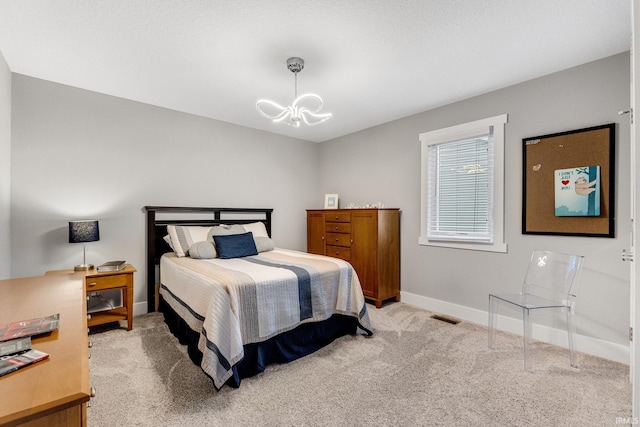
x,y
322,117
283,111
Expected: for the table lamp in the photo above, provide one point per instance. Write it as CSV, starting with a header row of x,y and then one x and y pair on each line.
x,y
82,232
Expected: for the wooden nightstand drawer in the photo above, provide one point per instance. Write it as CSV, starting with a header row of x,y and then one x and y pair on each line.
x,y
107,282
339,252
338,227
338,239
337,216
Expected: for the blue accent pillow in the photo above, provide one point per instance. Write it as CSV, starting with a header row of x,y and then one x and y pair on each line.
x,y
235,245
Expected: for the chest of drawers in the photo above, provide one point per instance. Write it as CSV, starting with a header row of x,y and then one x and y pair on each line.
x,y
367,238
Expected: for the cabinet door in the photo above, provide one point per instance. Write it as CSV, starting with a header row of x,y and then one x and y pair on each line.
x,y
315,233
364,225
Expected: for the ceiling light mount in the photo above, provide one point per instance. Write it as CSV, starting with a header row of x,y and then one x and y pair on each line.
x,y
295,65
305,108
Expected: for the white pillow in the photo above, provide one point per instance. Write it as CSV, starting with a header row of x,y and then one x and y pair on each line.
x,y
167,239
257,228
183,236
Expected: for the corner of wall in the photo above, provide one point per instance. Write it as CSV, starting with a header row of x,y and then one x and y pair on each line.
x,y
5,169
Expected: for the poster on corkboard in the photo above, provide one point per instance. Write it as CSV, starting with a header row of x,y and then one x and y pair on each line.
x,y
568,183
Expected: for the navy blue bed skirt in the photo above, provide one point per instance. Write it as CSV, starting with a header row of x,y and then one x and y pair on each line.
x,y
283,348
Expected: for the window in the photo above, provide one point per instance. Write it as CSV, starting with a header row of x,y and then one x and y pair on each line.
x,y
463,186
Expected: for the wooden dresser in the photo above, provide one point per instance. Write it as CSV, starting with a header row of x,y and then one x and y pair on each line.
x,y
53,392
368,238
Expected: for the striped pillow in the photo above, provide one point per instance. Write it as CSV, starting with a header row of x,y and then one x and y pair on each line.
x,y
183,236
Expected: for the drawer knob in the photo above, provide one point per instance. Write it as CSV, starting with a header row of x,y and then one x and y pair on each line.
x,y
336,217
91,284
93,392
88,317
337,253
90,344
336,239
336,227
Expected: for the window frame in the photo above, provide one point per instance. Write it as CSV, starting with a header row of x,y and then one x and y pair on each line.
x,y
454,133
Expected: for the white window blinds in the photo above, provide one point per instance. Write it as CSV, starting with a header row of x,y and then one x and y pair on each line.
x,y
460,189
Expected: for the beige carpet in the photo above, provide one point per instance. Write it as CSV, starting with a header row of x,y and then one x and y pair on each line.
x,y
415,371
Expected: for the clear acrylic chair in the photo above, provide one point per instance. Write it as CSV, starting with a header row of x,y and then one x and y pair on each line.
x,y
549,284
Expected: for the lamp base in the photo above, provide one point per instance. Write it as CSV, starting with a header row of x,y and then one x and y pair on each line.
x,y
83,267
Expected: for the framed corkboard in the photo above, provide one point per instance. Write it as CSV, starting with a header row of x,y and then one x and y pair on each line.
x,y
568,183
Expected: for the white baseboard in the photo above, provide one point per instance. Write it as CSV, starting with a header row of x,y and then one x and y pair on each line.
x,y
584,344
139,308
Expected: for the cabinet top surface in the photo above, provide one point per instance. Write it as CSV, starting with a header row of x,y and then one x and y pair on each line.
x,y
353,209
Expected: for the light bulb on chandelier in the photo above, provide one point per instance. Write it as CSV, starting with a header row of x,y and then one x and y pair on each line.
x,y
305,108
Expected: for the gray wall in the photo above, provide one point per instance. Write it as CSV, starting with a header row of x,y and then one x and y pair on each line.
x,y
5,169
383,164
79,154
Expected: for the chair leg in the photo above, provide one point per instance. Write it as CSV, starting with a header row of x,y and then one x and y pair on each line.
x,y
571,329
493,307
527,339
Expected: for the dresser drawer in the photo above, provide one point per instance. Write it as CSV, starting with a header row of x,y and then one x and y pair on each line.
x,y
107,282
337,216
339,252
338,227
339,239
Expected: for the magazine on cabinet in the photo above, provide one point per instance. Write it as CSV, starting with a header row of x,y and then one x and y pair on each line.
x,y
14,362
17,345
111,266
27,328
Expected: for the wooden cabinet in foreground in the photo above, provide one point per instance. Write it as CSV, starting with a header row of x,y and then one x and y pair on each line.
x,y
53,392
368,238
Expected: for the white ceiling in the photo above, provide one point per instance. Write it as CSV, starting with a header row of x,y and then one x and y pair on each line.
x,y
372,61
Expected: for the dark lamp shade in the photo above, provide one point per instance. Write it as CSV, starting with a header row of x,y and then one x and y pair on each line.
x,y
83,231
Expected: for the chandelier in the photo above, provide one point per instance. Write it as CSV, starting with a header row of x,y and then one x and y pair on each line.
x,y
305,108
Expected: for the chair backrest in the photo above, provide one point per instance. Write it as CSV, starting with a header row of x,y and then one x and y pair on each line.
x,y
552,275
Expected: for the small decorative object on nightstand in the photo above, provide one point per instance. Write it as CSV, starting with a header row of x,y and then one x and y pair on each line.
x,y
82,232
111,266
95,281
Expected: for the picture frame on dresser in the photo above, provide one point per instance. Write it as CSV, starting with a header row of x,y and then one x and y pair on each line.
x,y
331,201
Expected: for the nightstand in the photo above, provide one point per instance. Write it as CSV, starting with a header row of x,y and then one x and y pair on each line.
x,y
106,281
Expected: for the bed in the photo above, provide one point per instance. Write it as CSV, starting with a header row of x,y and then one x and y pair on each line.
x,y
250,304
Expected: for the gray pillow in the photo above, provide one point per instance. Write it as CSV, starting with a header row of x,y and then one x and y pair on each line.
x,y
202,250
225,230
263,244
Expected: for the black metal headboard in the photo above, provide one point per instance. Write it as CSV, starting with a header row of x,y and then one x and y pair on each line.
x,y
179,215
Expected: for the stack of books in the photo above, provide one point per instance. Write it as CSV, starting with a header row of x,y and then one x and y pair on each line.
x,y
15,342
